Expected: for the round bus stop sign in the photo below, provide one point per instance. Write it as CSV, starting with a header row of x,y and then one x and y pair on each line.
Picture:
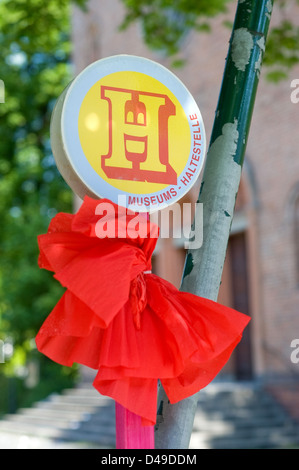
x,y
128,130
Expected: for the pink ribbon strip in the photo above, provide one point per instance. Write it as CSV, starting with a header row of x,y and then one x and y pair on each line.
x,y
130,434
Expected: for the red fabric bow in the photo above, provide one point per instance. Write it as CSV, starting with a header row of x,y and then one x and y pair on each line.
x,y
130,325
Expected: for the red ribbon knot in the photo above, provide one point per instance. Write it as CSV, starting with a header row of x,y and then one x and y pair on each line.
x,y
138,298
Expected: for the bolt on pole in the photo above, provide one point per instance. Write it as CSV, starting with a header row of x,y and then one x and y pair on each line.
x,y
219,188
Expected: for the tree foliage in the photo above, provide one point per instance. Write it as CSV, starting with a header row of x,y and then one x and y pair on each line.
x,y
166,23
282,52
35,68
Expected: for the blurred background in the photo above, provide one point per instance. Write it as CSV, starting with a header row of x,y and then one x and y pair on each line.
x,y
43,46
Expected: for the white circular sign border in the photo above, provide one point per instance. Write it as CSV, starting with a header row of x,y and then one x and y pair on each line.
x,y
70,135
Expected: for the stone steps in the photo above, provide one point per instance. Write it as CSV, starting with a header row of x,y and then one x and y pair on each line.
x,y
79,415
229,416
242,417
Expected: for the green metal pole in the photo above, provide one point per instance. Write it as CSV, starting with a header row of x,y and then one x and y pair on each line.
x,y
219,188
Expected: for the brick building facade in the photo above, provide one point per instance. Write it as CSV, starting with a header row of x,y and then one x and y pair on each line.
x,y
261,273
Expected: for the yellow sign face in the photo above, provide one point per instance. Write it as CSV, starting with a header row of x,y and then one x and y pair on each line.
x,y
130,128
138,132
